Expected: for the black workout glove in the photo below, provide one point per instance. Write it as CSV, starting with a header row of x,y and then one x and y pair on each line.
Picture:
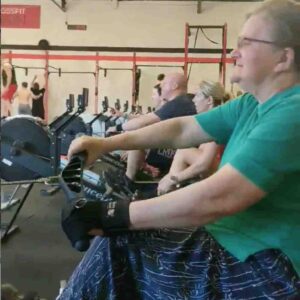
x,y
80,217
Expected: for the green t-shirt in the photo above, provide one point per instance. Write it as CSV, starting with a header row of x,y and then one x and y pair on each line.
x,y
262,143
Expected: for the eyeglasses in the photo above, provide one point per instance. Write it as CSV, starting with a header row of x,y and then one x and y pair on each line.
x,y
244,41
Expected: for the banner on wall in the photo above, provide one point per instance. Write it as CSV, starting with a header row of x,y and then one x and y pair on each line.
x,y
20,16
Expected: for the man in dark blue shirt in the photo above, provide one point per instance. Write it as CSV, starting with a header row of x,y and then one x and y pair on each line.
x,y
179,106
178,103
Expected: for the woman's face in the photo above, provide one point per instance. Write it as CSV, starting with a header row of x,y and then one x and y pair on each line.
x,y
255,59
202,103
156,97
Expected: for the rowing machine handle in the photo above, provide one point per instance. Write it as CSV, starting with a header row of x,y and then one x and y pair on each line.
x,y
71,183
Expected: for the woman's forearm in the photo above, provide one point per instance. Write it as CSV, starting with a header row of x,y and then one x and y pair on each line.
x,y
174,209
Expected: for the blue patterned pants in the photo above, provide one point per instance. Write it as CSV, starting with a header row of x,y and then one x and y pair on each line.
x,y
178,264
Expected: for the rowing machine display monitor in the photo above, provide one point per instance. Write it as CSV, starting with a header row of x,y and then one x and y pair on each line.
x,y
81,102
70,103
105,104
117,104
126,105
133,109
85,94
106,101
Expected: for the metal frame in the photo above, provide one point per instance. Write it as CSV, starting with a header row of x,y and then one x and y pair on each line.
x,y
8,229
135,59
221,61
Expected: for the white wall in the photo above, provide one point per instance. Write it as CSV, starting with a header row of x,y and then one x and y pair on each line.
x,y
130,24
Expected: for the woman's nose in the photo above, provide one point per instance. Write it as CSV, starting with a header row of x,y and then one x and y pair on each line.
x,y
235,53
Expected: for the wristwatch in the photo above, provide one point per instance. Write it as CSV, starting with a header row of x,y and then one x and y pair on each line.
x,y
176,180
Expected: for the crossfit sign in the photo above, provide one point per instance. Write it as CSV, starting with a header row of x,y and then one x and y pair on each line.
x,y
20,16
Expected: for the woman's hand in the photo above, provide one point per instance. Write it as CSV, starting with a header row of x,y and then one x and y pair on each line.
x,y
111,129
124,156
166,185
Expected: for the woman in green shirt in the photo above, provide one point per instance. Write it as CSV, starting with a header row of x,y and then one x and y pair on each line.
x,y
250,246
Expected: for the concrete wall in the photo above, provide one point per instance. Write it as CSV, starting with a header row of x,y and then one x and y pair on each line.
x,y
128,24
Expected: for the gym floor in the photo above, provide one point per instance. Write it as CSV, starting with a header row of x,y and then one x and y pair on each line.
x,y
37,256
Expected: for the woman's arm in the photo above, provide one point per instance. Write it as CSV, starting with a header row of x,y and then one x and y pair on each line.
x,y
188,164
8,71
201,164
33,80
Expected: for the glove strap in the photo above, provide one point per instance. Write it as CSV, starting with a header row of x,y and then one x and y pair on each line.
x,y
115,216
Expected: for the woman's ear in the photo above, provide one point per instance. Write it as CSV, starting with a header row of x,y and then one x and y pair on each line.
x,y
210,101
286,60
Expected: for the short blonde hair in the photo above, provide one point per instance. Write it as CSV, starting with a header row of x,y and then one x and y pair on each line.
x,y
215,90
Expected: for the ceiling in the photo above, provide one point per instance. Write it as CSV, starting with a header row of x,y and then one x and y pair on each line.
x,y
62,4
